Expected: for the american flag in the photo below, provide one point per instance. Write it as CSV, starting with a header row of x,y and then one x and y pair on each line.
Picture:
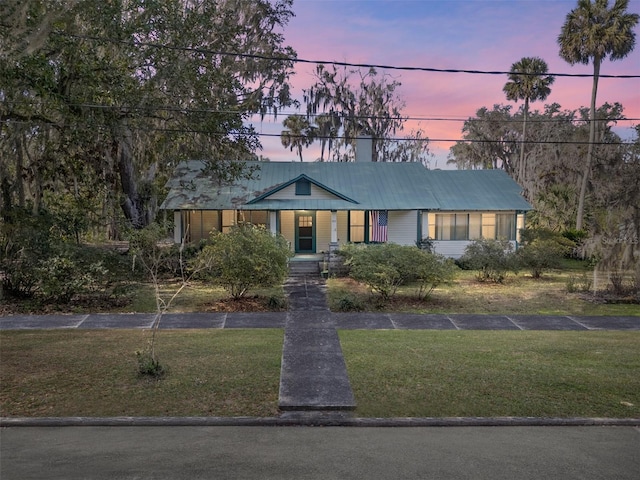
x,y
379,221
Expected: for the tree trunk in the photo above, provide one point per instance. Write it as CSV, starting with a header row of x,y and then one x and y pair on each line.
x,y
522,169
19,171
131,203
592,134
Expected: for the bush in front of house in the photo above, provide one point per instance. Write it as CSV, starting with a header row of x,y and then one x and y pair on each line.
x,y
433,270
386,267
491,259
249,256
542,250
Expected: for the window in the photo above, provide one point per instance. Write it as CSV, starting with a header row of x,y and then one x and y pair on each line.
x,y
505,226
452,226
475,226
356,226
472,226
488,225
254,217
303,187
228,220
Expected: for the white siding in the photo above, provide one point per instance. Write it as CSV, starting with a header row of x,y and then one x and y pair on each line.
x,y
289,193
454,248
451,248
402,227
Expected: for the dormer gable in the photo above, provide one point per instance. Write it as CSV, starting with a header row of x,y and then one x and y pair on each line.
x,y
302,187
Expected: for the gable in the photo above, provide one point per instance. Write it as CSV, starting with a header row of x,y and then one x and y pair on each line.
x,y
302,188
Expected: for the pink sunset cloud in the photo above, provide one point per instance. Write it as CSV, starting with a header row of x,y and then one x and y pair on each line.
x,y
476,35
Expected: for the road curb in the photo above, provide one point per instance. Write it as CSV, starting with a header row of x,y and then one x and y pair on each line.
x,y
315,419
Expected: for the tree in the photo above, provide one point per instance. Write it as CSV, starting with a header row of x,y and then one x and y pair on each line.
x,y
412,148
299,133
327,130
528,81
592,32
489,141
105,93
367,106
615,221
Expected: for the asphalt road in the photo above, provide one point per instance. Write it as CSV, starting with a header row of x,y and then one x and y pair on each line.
x,y
176,453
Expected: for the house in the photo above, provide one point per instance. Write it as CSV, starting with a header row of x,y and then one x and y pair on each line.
x,y
319,206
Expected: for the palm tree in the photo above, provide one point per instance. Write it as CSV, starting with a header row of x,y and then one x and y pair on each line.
x,y
590,33
528,81
298,134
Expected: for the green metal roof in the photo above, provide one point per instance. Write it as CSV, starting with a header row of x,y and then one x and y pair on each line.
x,y
351,186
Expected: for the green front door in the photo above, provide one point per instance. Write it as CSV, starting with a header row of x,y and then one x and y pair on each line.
x,y
305,232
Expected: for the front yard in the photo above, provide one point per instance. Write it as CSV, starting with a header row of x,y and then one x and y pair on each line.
x,y
393,373
519,294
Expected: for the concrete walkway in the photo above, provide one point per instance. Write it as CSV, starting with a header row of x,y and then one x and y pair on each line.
x,y
313,373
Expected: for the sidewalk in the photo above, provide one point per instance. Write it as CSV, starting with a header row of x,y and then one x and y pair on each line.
x,y
342,321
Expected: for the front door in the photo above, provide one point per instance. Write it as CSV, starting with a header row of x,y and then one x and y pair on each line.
x,y
305,232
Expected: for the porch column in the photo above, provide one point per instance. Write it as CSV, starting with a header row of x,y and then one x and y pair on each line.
x,y
273,222
334,227
177,226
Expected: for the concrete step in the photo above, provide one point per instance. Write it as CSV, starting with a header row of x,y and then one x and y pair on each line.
x,y
304,268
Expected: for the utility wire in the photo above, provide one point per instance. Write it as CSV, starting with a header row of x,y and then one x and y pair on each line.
x,y
343,137
316,115
329,62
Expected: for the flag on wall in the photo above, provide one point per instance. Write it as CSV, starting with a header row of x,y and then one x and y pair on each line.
x,y
379,221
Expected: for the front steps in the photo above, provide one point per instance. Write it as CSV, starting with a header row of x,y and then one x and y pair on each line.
x,y
304,268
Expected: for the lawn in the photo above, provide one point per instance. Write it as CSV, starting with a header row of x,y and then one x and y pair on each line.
x,y
487,374
519,294
94,373
393,373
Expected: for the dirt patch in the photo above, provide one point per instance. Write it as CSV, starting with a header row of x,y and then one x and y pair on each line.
x,y
244,304
82,304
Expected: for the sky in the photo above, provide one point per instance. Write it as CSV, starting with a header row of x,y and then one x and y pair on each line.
x,y
487,35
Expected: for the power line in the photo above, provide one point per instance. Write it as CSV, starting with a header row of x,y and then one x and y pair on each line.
x,y
163,108
343,137
329,62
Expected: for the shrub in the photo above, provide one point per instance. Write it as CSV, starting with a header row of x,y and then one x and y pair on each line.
x,y
350,303
542,250
62,277
25,242
582,283
433,270
248,256
149,366
277,302
36,259
384,268
492,259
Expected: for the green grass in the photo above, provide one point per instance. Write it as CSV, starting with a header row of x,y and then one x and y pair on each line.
x,y
94,373
486,374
